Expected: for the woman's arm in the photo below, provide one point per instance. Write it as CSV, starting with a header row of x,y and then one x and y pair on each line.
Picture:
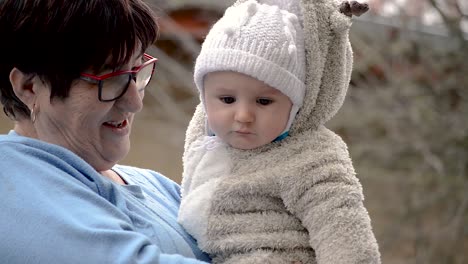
x,y
50,214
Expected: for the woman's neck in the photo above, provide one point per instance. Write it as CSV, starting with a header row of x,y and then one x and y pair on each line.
x,y
25,129
114,176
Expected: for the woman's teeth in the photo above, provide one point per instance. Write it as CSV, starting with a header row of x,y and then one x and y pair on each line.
x,y
116,124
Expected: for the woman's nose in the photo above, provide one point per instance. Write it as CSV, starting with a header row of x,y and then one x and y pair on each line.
x,y
132,100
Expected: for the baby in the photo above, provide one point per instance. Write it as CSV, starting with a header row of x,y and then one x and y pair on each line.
x,y
264,181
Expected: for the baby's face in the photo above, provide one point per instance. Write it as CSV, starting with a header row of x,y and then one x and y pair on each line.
x,y
244,112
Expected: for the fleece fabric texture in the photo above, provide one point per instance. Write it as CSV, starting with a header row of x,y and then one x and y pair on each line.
x,y
297,199
55,208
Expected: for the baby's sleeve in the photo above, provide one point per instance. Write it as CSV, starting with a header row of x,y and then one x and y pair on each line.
x,y
324,193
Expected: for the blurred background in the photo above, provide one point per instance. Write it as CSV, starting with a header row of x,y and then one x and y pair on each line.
x,y
405,118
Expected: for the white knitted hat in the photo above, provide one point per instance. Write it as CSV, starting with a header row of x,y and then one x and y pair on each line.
x,y
259,40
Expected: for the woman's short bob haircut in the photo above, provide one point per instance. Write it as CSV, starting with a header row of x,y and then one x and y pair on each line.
x,y
59,39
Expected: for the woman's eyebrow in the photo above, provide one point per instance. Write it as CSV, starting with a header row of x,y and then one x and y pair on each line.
x,y
107,67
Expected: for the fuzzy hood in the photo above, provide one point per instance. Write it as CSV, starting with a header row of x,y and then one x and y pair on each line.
x,y
329,63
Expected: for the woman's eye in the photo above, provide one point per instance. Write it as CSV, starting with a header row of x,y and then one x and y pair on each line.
x,y
228,99
264,101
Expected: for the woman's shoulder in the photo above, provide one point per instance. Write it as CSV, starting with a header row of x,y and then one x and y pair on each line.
x,y
12,139
22,152
27,146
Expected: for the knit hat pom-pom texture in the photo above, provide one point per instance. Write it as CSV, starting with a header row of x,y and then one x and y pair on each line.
x,y
252,8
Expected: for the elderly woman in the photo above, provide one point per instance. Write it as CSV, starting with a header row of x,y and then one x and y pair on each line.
x,y
72,76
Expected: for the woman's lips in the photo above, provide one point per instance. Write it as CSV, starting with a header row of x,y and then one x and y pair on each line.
x,y
117,124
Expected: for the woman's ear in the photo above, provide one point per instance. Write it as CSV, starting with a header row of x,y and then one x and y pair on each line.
x,y
23,86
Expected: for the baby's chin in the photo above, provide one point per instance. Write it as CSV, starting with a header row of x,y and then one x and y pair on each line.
x,y
245,146
247,141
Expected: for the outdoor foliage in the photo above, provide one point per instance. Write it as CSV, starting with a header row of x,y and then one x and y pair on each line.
x,y
406,124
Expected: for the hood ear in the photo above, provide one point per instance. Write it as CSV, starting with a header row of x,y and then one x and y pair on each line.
x,y
329,60
348,9
353,8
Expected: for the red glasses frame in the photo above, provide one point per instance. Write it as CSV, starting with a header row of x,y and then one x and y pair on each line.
x,y
98,79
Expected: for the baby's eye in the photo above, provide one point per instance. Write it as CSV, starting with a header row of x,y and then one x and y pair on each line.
x,y
264,101
228,99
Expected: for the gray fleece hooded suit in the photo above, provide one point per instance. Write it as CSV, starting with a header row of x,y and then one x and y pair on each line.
x,y
296,199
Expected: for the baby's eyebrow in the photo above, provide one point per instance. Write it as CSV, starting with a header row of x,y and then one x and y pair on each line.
x,y
223,89
272,92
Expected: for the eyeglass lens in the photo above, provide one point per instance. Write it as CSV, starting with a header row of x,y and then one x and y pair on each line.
x,y
143,77
114,87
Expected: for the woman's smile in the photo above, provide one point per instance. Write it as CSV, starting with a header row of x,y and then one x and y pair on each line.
x,y
122,128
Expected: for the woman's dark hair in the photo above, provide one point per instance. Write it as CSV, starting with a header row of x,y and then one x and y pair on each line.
x,y
58,39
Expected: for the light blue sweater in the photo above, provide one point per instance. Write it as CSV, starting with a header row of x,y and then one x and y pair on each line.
x,y
55,208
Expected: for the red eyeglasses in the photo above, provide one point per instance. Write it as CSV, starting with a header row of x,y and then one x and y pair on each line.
x,y
113,85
